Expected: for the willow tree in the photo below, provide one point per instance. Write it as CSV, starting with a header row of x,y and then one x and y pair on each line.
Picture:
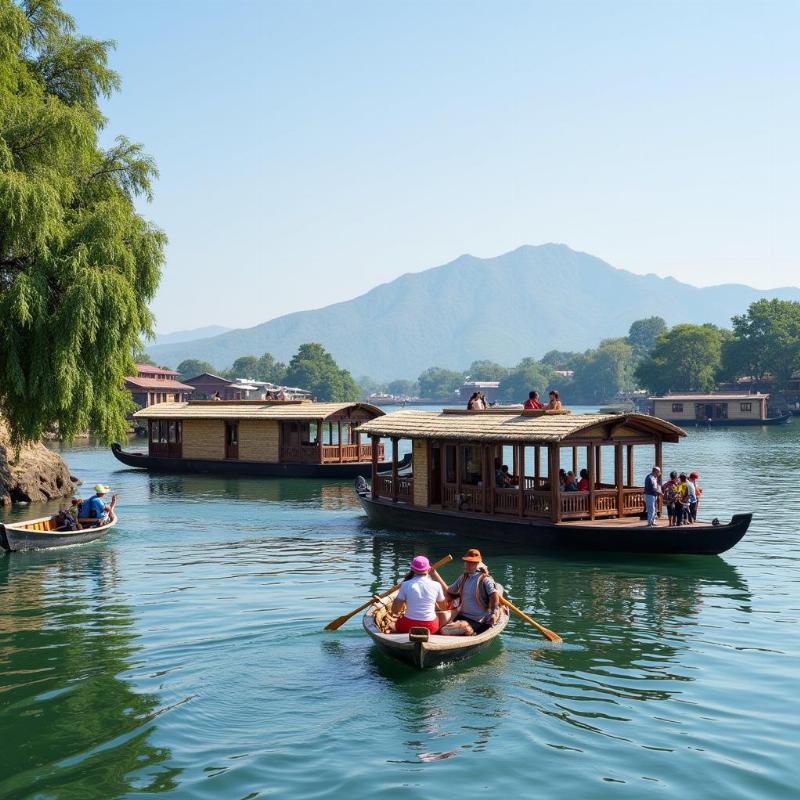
x,y
78,264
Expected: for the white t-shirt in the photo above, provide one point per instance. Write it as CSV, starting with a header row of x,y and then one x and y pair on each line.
x,y
420,593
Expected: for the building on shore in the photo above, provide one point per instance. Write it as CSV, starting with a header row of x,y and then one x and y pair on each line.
x,y
487,388
153,385
715,408
214,387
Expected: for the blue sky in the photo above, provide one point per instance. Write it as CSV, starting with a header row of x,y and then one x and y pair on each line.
x,y
311,150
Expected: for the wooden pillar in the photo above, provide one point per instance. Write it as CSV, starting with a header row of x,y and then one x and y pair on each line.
x,y
340,441
590,463
515,460
537,465
375,489
618,478
575,461
395,477
521,476
320,439
554,462
598,463
488,478
459,457
630,465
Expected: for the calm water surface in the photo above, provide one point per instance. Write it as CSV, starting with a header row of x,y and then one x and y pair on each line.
x,y
184,656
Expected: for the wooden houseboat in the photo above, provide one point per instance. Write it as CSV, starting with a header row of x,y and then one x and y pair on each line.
x,y
718,409
453,485
289,438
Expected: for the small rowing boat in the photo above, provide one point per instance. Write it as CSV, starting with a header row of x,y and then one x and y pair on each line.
x,y
41,533
420,648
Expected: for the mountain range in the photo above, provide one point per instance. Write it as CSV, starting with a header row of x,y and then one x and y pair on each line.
x,y
522,303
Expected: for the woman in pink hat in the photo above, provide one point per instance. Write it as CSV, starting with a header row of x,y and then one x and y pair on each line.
x,y
422,596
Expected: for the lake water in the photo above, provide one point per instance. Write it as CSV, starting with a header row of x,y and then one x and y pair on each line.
x,y
185,656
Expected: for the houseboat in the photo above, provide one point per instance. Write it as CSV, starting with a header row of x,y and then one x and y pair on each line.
x,y
717,409
453,486
289,438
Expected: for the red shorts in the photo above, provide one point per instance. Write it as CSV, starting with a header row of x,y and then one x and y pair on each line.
x,y
404,625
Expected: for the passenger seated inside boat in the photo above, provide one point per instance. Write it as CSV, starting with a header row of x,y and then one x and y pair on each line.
x,y
422,596
555,401
583,483
475,598
570,484
67,521
503,478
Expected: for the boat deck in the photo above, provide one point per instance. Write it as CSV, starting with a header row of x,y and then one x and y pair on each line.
x,y
628,522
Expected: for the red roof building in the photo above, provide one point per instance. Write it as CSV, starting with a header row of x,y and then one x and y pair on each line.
x,y
153,385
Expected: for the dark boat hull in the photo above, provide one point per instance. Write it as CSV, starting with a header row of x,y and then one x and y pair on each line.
x,y
14,537
258,469
542,534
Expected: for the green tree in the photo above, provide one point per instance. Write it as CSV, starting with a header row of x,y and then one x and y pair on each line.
x,y
685,358
643,333
560,359
602,373
402,388
192,367
268,369
765,340
527,376
487,371
243,367
439,383
140,357
78,264
314,368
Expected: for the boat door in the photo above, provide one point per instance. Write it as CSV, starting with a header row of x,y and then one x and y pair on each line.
x,y
231,440
436,476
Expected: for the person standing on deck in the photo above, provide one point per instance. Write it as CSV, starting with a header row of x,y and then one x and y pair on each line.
x,y
693,476
652,491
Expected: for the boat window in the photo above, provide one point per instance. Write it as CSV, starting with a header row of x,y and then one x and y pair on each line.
x,y
471,470
232,429
173,434
677,408
745,406
153,430
450,463
163,431
721,411
178,431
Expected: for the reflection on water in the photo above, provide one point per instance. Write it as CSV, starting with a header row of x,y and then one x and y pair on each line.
x,y
70,722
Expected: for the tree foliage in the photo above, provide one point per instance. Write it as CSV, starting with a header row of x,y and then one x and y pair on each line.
x,y
602,373
402,388
766,340
78,264
439,383
487,371
643,333
527,376
560,359
192,367
685,358
314,368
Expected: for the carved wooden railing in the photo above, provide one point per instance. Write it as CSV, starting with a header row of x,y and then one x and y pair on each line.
x,y
331,453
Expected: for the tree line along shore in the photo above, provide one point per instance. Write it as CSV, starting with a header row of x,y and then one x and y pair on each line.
x,y
762,348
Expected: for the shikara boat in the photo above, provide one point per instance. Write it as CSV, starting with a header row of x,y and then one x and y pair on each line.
x,y
420,648
453,486
40,534
278,438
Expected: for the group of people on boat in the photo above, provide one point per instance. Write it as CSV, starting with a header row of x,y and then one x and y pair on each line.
x,y
92,512
468,606
534,404
477,402
680,494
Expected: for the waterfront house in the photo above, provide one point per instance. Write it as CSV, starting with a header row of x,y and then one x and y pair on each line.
x,y
715,408
153,385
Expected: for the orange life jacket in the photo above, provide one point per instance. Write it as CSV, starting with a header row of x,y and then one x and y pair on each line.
x,y
459,591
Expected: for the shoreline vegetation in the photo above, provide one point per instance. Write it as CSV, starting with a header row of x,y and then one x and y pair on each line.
x,y
761,351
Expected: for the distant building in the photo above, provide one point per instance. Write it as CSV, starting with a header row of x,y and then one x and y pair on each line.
x,y
714,408
153,385
208,387
487,388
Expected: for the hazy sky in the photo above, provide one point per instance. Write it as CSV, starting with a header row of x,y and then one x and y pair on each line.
x,y
311,150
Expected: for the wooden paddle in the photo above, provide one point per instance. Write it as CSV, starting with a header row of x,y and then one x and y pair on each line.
x,y
553,637
339,621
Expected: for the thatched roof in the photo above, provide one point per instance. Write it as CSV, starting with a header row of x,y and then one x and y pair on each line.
x,y
253,409
516,427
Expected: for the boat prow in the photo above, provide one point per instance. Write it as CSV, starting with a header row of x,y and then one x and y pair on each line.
x,y
40,534
423,649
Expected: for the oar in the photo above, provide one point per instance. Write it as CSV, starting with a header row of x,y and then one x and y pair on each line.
x,y
339,621
553,637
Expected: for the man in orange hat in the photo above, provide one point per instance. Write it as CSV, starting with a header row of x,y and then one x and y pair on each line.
x,y
475,595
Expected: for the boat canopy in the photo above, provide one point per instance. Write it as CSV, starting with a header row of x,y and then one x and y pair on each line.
x,y
289,410
521,427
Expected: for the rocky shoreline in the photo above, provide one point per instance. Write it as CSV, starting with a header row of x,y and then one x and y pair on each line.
x,y
33,475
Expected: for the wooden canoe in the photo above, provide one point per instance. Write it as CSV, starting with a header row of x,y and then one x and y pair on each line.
x,y
426,650
40,533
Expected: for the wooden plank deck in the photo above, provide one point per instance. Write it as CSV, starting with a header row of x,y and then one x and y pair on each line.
x,y
628,522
